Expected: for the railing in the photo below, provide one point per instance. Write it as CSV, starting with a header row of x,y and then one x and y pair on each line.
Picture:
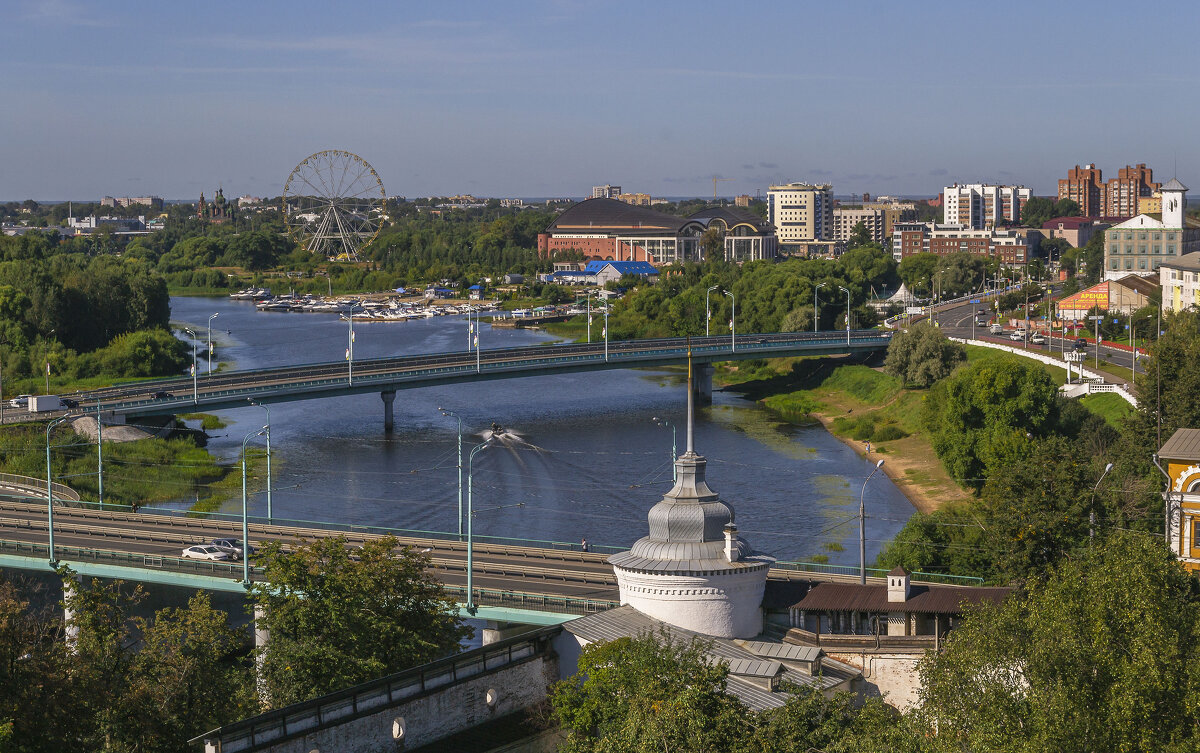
x,y
376,695
488,597
875,572
126,559
37,487
859,642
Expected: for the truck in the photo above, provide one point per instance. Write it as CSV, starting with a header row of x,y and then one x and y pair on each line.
x,y
41,403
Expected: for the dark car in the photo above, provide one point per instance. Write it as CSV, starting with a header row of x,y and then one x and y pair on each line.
x,y
161,395
70,403
1081,344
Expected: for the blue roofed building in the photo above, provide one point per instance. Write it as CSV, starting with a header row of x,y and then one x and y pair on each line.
x,y
601,272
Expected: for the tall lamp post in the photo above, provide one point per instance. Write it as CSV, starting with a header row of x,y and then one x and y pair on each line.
x,y
862,528
1092,505
50,488
606,331
815,315
732,322
195,389
245,519
668,425
458,418
208,343
847,292
253,402
99,456
470,515
707,310
350,345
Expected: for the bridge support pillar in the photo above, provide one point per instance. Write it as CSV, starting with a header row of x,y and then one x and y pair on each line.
x,y
495,631
702,380
389,397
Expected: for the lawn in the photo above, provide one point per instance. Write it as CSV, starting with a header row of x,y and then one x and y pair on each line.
x,y
1111,407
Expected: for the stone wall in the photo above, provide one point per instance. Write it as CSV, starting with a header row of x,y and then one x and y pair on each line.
x,y
891,675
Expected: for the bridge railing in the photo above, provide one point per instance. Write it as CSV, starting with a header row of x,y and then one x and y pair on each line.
x,y
127,559
371,697
37,487
490,597
875,572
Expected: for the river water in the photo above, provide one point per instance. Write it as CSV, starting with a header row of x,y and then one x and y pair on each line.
x,y
589,464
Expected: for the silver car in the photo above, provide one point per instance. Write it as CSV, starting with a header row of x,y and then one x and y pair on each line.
x,y
233,547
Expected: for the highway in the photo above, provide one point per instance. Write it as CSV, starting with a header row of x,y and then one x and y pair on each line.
x,y
229,389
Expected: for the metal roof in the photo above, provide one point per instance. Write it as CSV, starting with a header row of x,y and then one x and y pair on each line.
x,y
852,597
1187,261
596,215
1184,444
782,651
1174,185
749,667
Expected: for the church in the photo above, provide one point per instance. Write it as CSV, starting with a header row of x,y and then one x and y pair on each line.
x,y
218,212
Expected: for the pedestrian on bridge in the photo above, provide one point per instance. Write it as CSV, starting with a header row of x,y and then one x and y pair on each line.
x,y
583,545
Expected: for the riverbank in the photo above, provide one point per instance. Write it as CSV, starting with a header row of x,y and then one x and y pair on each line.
x,y
862,407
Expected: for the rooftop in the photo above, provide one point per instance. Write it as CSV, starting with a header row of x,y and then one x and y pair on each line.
x,y
1190,262
852,597
1184,444
610,215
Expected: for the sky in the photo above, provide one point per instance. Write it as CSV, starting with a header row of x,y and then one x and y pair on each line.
x,y
540,99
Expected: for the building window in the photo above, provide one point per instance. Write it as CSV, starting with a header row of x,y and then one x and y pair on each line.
x,y
1142,248
1171,248
1170,236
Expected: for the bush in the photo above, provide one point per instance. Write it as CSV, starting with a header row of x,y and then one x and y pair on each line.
x,y
888,433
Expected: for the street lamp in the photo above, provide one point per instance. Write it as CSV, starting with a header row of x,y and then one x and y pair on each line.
x,y
268,429
470,515
50,488
862,529
195,391
818,287
457,417
707,310
350,345
606,331
847,292
1092,505
209,343
245,520
732,323
668,425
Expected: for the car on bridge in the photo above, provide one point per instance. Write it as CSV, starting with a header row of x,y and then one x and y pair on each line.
x,y
20,401
233,547
206,552
161,395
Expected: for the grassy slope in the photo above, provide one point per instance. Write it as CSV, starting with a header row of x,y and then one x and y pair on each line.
x,y
1112,408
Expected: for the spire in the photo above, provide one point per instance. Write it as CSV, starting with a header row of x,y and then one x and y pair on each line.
x,y
691,402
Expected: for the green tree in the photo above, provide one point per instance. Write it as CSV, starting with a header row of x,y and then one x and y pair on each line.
x,y
646,695
922,355
917,272
339,616
859,236
1090,657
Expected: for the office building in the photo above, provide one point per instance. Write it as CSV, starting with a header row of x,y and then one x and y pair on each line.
x,y
981,206
801,212
1141,244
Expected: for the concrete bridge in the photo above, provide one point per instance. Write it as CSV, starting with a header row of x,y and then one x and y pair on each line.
x,y
387,375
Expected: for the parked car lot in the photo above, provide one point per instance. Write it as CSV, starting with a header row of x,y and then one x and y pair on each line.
x,y
205,552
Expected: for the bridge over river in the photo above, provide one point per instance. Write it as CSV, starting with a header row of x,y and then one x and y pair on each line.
x,y
387,375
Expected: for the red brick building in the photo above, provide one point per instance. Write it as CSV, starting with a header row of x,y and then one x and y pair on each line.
x,y
611,230
1084,186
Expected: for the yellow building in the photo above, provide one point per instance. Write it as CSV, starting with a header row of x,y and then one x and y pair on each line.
x,y
1150,204
1180,458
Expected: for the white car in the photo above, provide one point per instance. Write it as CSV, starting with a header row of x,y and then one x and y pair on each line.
x,y
1037,338
20,401
1018,334
205,552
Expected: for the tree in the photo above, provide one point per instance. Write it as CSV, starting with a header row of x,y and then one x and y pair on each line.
x,y
922,355
917,272
959,274
859,236
982,417
339,616
712,242
646,695
1087,658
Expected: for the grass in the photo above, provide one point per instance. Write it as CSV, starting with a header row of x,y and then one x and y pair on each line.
x,y
208,421
1109,406
980,354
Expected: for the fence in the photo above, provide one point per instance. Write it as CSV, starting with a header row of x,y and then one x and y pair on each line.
x,y
36,487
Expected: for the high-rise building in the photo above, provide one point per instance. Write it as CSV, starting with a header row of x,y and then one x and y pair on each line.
x,y
1085,187
1123,191
606,192
982,206
801,212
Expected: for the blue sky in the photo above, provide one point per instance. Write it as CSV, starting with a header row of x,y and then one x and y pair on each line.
x,y
549,98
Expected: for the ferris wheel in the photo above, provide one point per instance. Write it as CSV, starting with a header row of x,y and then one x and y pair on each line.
x,y
333,202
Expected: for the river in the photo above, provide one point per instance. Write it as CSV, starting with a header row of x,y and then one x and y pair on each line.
x,y
590,463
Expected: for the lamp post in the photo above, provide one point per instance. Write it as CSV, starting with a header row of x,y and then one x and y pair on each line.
x,y
268,430
245,520
606,331
732,322
667,424
470,515
1092,505
99,456
815,315
50,488
847,292
195,390
350,345
457,417
707,310
862,528
208,336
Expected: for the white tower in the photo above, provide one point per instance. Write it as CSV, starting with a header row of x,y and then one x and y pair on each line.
x,y
1174,201
693,570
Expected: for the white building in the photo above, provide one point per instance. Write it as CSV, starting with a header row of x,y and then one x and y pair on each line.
x,y
1180,280
1142,244
606,192
801,212
981,205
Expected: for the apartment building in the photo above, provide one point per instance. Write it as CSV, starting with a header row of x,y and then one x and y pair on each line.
x,y
1123,191
606,192
801,212
637,199
1011,247
1142,244
1180,280
1085,186
982,206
